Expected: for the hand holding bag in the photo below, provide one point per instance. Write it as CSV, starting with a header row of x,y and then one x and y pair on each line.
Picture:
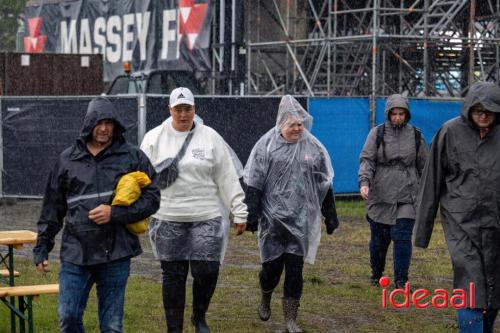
x,y
127,191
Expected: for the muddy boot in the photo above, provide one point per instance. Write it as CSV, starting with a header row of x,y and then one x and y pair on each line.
x,y
199,323
175,320
290,309
374,279
265,305
400,279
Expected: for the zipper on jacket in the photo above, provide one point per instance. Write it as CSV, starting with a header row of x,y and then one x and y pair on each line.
x,y
108,254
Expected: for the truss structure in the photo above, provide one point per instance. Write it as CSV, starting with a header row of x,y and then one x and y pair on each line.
x,y
426,48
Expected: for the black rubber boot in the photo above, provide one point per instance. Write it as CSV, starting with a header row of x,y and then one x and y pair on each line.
x,y
374,279
175,320
199,323
400,279
205,275
265,305
489,316
290,311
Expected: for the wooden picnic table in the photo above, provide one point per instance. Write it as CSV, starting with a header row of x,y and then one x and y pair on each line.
x,y
14,239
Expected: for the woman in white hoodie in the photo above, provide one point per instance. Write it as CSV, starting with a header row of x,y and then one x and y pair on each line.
x,y
187,231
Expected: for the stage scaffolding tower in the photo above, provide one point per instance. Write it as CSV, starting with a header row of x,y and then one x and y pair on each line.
x,y
424,48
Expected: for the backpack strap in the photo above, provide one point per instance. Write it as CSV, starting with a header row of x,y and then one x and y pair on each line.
x,y
380,141
380,138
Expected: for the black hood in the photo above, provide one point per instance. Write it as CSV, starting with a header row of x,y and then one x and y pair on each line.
x,y
100,108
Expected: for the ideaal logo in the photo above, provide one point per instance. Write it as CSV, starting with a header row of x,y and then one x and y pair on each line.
x,y
423,298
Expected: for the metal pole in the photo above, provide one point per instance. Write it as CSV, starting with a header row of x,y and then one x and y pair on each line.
x,y
287,37
1,151
258,55
426,50
222,21
249,51
472,32
498,44
383,72
233,44
374,63
290,50
335,22
249,69
213,54
141,117
400,65
329,57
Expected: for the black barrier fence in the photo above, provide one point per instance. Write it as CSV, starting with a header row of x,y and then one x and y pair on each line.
x,y
241,121
34,131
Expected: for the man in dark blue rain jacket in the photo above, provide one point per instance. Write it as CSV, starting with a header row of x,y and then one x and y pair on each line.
x,y
96,246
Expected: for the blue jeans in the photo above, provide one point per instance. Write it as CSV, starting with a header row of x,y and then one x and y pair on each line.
x,y
381,236
75,283
476,320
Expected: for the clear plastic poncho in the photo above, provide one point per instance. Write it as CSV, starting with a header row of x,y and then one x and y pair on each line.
x,y
224,210
294,178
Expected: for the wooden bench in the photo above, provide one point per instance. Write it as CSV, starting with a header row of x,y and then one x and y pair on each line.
x,y
28,292
5,273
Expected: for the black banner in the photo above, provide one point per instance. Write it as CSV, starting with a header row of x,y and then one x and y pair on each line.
x,y
172,34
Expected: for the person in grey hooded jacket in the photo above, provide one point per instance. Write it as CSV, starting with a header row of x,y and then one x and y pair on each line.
x,y
462,176
391,161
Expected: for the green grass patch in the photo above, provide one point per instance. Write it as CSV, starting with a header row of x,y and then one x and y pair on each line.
x,y
337,294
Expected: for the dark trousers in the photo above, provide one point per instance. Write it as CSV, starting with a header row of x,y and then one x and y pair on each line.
x,y
271,271
205,275
381,236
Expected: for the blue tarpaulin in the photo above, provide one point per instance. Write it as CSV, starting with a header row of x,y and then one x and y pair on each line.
x,y
342,125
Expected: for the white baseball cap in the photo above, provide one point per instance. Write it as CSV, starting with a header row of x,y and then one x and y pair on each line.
x,y
181,95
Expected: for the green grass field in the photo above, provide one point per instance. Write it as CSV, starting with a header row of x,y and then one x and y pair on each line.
x,y
337,295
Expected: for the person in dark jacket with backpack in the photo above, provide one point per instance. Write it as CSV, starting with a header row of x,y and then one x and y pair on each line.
x,y
96,246
391,162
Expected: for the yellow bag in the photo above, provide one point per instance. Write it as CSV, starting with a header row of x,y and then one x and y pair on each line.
x,y
127,191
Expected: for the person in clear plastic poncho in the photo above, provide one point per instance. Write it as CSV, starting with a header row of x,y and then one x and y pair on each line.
x,y
289,184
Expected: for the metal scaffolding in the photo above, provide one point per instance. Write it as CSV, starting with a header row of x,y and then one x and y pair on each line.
x,y
432,48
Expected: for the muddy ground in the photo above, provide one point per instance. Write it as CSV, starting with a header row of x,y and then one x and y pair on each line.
x,y
21,214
